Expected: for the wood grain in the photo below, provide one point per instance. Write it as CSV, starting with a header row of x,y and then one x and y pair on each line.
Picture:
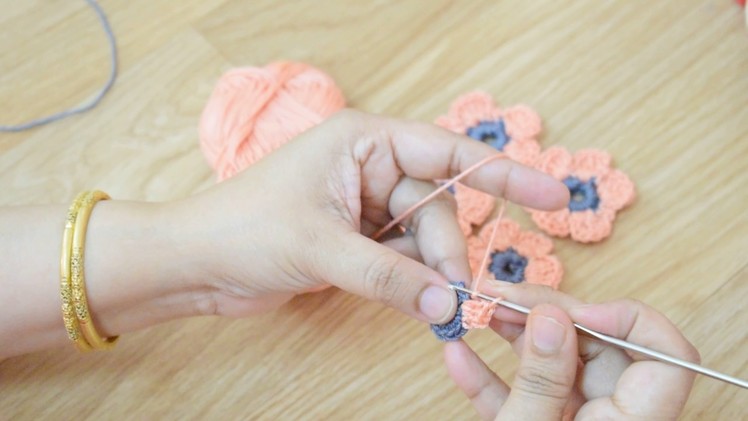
x,y
662,85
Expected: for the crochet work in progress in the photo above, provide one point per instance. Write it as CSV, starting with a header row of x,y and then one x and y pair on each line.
x,y
508,254
477,314
598,192
513,130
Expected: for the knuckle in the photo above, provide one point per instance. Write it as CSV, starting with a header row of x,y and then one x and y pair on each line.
x,y
446,203
346,120
382,280
421,216
437,212
540,381
345,114
591,352
449,201
443,262
633,302
692,354
686,350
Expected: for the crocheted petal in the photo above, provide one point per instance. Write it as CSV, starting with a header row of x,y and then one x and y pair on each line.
x,y
465,226
473,205
546,270
524,151
533,245
522,122
474,107
506,234
616,190
591,226
476,249
590,163
552,223
555,161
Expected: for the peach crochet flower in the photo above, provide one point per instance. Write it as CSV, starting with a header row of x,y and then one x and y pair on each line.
x,y
513,130
597,190
473,207
516,255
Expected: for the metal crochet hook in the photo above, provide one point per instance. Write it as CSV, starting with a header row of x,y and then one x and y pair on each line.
x,y
655,355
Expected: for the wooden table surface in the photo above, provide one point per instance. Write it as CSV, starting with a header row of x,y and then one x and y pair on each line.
x,y
663,86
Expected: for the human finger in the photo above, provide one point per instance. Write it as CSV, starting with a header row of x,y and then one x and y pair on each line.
x,y
369,269
603,365
434,226
486,391
646,384
427,152
405,245
545,378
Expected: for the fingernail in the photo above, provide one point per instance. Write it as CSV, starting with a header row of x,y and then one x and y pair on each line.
x,y
436,303
547,335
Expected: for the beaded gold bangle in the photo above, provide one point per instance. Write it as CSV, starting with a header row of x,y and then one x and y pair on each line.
x,y
68,311
77,280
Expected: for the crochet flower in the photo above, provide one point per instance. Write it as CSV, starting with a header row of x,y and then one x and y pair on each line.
x,y
473,207
597,190
513,130
516,255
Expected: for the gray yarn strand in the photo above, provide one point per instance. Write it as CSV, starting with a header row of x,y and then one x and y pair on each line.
x,y
87,105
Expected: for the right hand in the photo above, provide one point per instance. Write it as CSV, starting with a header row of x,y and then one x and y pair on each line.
x,y
562,376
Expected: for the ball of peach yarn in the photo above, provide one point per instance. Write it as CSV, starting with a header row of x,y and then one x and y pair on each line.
x,y
254,110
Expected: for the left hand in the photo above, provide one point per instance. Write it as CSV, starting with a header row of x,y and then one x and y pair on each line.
x,y
301,217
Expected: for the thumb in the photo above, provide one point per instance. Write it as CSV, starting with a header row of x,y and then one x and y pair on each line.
x,y
545,378
364,267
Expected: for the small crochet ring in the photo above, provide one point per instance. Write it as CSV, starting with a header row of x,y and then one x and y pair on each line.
x,y
453,330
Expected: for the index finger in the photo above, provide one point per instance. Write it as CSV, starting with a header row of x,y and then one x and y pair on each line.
x,y
427,152
640,324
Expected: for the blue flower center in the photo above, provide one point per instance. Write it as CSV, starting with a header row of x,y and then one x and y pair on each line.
x,y
583,194
492,133
508,266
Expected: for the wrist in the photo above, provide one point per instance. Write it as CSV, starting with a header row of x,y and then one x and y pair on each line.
x,y
140,267
227,257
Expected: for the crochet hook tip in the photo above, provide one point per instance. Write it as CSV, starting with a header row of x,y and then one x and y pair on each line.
x,y
620,343
500,301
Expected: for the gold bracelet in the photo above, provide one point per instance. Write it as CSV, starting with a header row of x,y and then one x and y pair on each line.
x,y
68,311
78,282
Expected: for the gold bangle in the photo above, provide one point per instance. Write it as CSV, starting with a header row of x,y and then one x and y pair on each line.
x,y
78,282
68,310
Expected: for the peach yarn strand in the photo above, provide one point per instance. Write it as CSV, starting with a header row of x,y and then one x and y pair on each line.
x,y
433,194
476,312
